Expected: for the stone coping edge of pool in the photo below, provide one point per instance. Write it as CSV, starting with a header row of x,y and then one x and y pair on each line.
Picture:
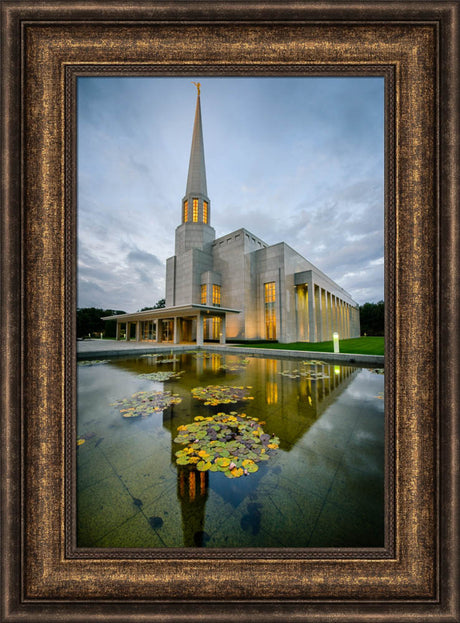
x,y
242,350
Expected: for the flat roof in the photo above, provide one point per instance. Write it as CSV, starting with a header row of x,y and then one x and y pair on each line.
x,y
171,312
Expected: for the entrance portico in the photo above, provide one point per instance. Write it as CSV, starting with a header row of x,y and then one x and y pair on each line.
x,y
183,323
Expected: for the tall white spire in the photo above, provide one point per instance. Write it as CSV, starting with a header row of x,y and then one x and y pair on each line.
x,y
196,180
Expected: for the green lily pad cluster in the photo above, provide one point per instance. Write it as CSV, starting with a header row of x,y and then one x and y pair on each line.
x,y
235,367
92,362
221,394
199,354
377,370
226,442
313,362
162,376
142,404
296,374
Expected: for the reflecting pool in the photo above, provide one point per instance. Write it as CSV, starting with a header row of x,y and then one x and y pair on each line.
x,y
297,461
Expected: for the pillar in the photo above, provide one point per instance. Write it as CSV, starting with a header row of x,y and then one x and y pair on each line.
x,y
176,338
319,332
199,330
138,331
223,329
324,332
157,332
311,313
128,326
117,331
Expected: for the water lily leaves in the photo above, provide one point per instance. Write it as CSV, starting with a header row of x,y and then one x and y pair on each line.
x,y
203,466
80,442
162,376
230,443
142,404
313,362
92,362
221,394
238,366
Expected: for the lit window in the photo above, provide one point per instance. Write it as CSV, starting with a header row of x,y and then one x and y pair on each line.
x,y
216,324
270,312
195,210
203,294
216,295
270,295
205,211
185,211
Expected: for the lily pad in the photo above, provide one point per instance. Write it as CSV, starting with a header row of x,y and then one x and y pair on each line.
x,y
162,376
92,362
221,394
240,444
142,404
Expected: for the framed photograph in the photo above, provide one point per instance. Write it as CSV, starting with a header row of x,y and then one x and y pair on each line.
x,y
70,71
244,442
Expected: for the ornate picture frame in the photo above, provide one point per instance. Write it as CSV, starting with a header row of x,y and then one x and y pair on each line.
x,y
45,46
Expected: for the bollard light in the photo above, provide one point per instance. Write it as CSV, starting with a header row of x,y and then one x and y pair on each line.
x,y
336,369
335,339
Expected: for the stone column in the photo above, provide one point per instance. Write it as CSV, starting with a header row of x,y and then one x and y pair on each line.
x,y
138,331
128,327
319,323
176,330
157,330
324,332
311,312
223,329
117,331
341,332
333,318
199,330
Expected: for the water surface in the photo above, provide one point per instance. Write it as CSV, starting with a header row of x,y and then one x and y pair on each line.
x,y
323,487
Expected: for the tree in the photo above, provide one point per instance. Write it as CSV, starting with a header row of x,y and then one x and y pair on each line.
x,y
372,318
158,305
89,321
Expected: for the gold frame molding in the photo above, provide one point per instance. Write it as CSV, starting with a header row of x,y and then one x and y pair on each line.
x,y
414,45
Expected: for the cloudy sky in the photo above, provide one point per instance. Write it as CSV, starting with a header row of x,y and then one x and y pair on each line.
x,y
299,160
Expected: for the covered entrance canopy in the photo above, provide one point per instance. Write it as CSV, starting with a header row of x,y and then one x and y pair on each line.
x,y
183,323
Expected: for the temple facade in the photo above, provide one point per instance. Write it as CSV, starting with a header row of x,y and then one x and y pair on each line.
x,y
237,286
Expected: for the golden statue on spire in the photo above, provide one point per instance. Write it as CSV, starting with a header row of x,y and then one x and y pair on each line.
x,y
198,85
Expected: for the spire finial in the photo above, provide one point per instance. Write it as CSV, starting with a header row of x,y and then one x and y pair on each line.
x,y
198,86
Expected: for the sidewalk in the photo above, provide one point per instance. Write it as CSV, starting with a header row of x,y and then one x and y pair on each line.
x,y
114,348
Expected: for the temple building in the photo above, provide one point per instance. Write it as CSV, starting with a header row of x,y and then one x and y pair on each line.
x,y
237,286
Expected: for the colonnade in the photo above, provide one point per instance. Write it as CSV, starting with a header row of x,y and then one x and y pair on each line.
x,y
177,329
320,313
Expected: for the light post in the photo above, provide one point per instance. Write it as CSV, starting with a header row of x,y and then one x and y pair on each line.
x,y
335,340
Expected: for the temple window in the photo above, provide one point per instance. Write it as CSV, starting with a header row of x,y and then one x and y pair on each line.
x,y
195,210
205,211
270,312
216,295
185,211
203,294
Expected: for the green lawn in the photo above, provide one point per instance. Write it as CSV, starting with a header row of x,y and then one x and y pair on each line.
x,y
355,346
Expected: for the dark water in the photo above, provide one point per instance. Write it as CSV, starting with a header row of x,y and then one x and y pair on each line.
x,y
323,487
